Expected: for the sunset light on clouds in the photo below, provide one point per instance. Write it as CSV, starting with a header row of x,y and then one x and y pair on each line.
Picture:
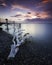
x,y
20,10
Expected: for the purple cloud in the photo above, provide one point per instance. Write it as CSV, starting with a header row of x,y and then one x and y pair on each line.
x,y
39,20
18,15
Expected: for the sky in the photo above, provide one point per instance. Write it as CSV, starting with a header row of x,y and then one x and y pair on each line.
x,y
26,10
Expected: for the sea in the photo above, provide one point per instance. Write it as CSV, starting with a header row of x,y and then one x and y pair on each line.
x,y
37,31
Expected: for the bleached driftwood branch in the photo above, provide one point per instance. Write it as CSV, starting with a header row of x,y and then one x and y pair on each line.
x,y
15,47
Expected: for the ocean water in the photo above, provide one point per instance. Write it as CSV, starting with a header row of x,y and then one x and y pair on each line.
x,y
38,31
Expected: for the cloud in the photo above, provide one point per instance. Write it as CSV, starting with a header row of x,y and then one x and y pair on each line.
x,y
3,4
43,15
29,12
30,9
37,6
31,16
39,20
46,1
2,0
45,6
48,8
17,6
18,15
24,16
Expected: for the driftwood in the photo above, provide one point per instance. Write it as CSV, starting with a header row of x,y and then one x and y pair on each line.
x,y
17,42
